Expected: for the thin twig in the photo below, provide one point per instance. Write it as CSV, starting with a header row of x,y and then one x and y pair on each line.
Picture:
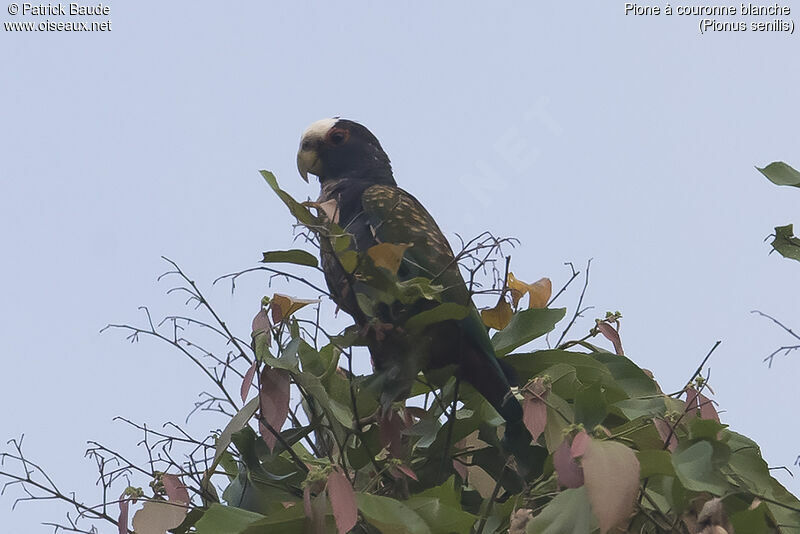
x,y
578,310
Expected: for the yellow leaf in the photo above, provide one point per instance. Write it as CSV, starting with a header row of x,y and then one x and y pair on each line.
x,y
518,288
538,292
283,306
497,317
388,255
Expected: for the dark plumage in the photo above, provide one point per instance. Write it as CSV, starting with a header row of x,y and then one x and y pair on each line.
x,y
361,195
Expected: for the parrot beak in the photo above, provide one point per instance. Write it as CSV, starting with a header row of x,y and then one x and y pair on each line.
x,y
308,163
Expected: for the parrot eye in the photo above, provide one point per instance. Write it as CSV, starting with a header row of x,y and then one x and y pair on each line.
x,y
338,136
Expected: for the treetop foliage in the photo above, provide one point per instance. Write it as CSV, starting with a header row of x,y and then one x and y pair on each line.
x,y
308,447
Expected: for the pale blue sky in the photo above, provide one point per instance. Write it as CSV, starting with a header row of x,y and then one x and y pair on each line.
x,y
581,131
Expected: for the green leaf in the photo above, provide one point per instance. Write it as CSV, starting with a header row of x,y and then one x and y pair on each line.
x,y
446,493
290,520
590,406
751,521
705,428
349,260
310,360
391,516
298,210
189,522
526,326
229,464
554,430
642,432
587,369
295,256
442,312
563,379
785,243
629,376
751,470
340,241
697,466
220,519
655,462
262,465
289,358
780,173
568,512
236,423
441,517
339,416
635,408
426,429
783,515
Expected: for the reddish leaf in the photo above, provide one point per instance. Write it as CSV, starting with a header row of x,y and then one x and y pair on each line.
x,y
319,509
247,381
390,428
707,410
537,388
579,444
175,489
274,402
611,334
260,323
534,415
157,517
414,412
611,471
315,507
122,520
277,308
261,335
481,480
307,501
477,477
343,501
407,471
534,409
461,469
568,471
458,466
665,431
691,401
